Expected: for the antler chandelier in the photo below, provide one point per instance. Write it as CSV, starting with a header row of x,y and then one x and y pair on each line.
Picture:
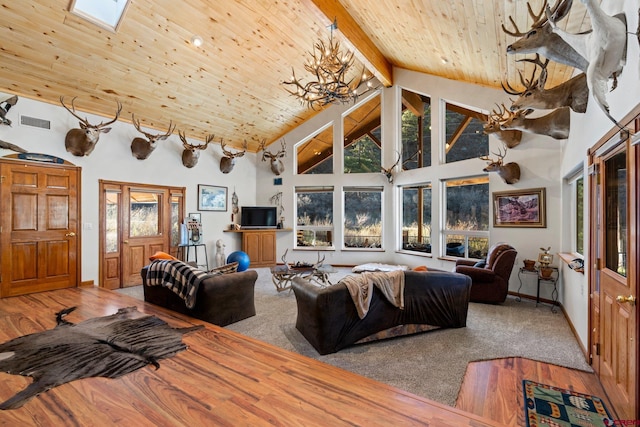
x,y
331,68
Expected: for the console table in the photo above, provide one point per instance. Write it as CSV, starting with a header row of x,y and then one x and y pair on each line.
x,y
260,245
552,279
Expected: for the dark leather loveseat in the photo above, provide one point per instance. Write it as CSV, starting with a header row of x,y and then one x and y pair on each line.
x,y
328,319
222,299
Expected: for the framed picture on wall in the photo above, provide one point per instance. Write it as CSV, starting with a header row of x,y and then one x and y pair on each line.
x,y
520,208
212,198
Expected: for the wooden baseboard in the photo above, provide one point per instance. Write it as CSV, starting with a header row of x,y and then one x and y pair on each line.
x,y
86,284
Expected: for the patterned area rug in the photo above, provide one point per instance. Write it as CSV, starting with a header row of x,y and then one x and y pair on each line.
x,y
546,405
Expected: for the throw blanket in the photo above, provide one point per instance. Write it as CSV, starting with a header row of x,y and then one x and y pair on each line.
x,y
181,278
360,287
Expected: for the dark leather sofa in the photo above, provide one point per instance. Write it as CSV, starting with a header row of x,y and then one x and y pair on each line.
x,y
221,299
328,319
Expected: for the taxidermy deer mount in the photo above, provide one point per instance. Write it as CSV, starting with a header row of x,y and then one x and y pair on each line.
x,y
4,109
277,167
556,124
390,172
191,152
509,137
141,148
541,39
573,93
510,173
81,142
229,160
604,48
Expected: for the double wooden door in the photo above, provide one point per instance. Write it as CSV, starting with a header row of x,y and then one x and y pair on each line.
x,y
614,255
39,232
136,220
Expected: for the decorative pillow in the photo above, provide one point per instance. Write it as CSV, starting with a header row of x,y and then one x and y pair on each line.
x,y
420,268
161,255
480,264
225,269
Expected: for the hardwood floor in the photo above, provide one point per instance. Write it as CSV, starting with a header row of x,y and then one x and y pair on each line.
x,y
222,379
493,388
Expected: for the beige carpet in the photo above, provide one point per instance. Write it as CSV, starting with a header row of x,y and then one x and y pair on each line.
x,y
431,364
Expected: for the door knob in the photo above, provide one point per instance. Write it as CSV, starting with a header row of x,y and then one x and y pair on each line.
x,y
630,299
70,234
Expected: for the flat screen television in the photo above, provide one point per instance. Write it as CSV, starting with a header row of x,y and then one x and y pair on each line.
x,y
258,217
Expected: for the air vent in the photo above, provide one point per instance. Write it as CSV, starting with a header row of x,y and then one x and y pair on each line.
x,y
35,122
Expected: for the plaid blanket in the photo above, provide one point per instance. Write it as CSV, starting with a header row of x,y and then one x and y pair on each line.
x,y
181,278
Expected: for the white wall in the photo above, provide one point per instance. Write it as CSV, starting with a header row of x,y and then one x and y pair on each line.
x,y
112,160
538,156
586,130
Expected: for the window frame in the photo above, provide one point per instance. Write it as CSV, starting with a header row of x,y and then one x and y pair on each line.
x,y
314,228
420,187
466,234
373,189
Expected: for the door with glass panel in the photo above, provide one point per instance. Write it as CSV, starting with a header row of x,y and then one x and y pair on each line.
x,y
614,278
136,221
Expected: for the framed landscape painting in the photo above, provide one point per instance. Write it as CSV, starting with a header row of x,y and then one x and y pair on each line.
x,y
520,208
212,198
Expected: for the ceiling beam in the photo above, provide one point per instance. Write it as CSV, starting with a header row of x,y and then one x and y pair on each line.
x,y
363,48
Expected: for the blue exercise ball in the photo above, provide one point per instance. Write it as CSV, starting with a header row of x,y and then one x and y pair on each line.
x,y
241,257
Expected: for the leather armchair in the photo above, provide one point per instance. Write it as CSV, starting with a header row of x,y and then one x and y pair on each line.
x,y
490,284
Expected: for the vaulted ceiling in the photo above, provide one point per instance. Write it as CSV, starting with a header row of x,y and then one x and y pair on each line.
x,y
231,85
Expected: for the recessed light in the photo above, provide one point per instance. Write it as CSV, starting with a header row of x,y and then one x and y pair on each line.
x,y
196,41
444,60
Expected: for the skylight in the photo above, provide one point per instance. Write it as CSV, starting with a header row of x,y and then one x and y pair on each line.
x,y
105,13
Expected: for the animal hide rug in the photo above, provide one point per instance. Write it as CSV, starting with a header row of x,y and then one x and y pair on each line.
x,y
109,346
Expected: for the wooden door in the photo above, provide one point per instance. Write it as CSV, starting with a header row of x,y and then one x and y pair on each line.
x,y
39,223
143,229
614,252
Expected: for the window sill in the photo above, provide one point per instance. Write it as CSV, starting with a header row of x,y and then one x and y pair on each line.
x,y
416,253
567,258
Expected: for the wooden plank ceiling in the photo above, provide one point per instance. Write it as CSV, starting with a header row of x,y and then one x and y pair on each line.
x,y
231,85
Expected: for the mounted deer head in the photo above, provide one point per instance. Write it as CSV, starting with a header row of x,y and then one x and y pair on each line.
x,y
390,172
555,124
573,93
604,48
277,167
511,137
191,152
8,103
510,173
541,39
229,160
142,148
81,142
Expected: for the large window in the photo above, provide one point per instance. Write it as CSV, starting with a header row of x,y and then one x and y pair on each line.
x,y
465,138
416,218
416,130
363,217
362,138
315,155
466,210
314,213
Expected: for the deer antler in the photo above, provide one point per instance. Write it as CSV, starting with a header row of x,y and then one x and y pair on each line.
x,y
231,154
151,137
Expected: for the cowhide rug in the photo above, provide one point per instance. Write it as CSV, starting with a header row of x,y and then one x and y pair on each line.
x,y
109,346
